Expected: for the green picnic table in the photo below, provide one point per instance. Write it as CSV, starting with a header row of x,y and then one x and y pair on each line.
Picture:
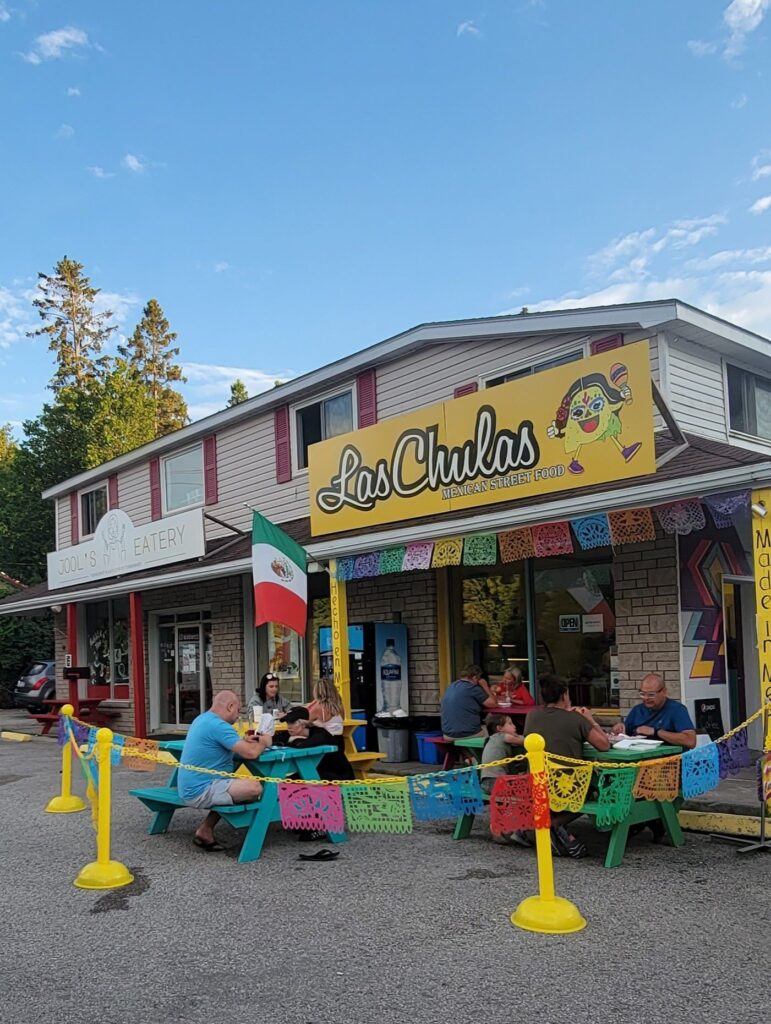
x,y
640,811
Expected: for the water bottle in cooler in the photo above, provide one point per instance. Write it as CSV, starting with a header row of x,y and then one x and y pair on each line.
x,y
391,677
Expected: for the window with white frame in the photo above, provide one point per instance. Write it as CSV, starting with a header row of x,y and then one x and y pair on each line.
x,y
749,402
182,476
528,371
327,418
93,505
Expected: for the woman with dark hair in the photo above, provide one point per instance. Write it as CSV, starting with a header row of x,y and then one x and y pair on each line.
x,y
590,411
268,698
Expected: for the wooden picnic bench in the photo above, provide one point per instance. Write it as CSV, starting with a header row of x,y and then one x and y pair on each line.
x,y
87,708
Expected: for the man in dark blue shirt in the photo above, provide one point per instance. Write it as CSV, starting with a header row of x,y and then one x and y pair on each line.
x,y
658,717
462,705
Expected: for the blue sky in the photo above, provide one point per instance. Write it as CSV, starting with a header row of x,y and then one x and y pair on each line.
x,y
296,180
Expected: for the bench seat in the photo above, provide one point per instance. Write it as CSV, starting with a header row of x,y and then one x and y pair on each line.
x,y
362,760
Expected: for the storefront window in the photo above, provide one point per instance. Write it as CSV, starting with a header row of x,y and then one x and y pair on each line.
x,y
107,640
490,619
280,650
575,626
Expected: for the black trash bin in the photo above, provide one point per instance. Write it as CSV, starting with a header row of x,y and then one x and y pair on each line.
x,y
393,737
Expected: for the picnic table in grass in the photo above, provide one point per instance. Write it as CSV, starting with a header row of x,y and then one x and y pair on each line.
x,y
282,763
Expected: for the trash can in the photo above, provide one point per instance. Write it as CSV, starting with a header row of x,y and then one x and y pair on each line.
x,y
393,737
428,753
423,724
360,735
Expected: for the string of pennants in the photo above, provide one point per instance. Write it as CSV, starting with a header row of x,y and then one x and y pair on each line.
x,y
518,801
601,529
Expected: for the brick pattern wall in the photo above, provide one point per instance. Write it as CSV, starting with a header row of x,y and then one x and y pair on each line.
x,y
647,615
411,599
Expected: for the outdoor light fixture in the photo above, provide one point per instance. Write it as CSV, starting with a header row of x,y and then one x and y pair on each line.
x,y
759,509
56,608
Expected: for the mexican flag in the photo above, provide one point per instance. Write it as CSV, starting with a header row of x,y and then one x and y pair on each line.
x,y
280,577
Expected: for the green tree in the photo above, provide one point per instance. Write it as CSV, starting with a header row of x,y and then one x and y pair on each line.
x,y
238,393
151,354
75,331
7,443
123,417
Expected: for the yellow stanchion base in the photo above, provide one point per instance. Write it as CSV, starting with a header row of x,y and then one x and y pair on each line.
x,y
65,805
556,916
111,875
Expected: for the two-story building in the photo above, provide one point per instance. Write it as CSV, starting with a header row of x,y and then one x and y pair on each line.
x,y
565,491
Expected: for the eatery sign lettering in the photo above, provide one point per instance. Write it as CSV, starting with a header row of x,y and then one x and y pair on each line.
x,y
586,423
118,547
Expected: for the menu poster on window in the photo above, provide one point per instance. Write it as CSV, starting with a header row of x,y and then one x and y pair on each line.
x,y
709,717
592,623
189,658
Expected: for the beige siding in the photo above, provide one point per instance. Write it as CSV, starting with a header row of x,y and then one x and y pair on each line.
x,y
134,493
63,522
696,392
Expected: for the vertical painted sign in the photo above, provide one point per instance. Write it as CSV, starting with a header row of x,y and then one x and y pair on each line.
x,y
338,602
761,550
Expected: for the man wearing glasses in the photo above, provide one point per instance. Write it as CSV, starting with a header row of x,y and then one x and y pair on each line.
x,y
658,716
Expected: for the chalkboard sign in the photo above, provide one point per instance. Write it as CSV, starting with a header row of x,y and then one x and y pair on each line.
x,y
709,717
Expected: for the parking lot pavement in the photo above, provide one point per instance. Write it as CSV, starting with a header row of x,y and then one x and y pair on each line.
x,y
399,929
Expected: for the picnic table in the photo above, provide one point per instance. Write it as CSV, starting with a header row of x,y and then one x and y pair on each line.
x,y
640,811
361,760
256,817
87,708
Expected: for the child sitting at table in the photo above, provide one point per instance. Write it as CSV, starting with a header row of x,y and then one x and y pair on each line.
x,y
503,742
326,708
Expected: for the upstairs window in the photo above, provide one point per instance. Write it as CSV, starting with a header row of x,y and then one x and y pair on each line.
x,y
749,403
182,476
528,371
93,505
328,418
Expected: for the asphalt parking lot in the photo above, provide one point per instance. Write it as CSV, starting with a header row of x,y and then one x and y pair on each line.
x,y
400,928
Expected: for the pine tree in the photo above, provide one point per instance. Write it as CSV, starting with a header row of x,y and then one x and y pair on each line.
x,y
238,393
76,333
7,443
150,354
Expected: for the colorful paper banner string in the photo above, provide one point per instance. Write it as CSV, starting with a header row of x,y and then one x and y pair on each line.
x,y
345,569
681,517
117,750
516,545
631,526
614,795
592,531
392,560
418,556
319,808
511,804
366,565
734,754
62,735
481,549
568,785
448,551
378,808
764,778
658,780
725,507
90,740
445,796
134,745
700,770
552,539
541,812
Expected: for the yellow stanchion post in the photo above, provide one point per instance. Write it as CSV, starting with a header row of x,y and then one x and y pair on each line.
x,y
66,802
545,912
104,873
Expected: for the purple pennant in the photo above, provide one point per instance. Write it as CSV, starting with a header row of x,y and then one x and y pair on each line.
x,y
734,754
61,731
80,732
366,565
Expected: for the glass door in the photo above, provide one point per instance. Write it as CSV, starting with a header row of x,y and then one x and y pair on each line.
x,y
184,656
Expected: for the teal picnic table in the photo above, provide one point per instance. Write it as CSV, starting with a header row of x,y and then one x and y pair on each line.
x,y
641,812
277,763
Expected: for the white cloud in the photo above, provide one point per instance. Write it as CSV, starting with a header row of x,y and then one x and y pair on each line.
x,y
761,205
222,266
53,45
742,17
133,163
752,257
700,48
208,385
739,102
121,304
100,172
65,131
73,91
761,168
16,315
629,257
468,28
5,14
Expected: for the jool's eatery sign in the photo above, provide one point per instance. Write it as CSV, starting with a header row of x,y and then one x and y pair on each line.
x,y
581,424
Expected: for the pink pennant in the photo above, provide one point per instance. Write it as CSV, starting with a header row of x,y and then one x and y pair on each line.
x,y
319,808
552,539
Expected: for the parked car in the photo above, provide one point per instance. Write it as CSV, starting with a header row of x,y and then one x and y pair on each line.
x,y
36,686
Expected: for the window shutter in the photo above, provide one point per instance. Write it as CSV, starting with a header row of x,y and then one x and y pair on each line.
x,y
112,491
366,394
466,389
74,524
607,344
210,469
283,445
155,489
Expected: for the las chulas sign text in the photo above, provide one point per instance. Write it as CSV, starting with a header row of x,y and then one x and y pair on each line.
x,y
577,425
118,547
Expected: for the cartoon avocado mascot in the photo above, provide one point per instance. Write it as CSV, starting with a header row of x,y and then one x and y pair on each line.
x,y
590,412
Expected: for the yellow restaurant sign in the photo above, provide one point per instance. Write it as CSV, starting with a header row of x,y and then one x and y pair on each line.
x,y
577,425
